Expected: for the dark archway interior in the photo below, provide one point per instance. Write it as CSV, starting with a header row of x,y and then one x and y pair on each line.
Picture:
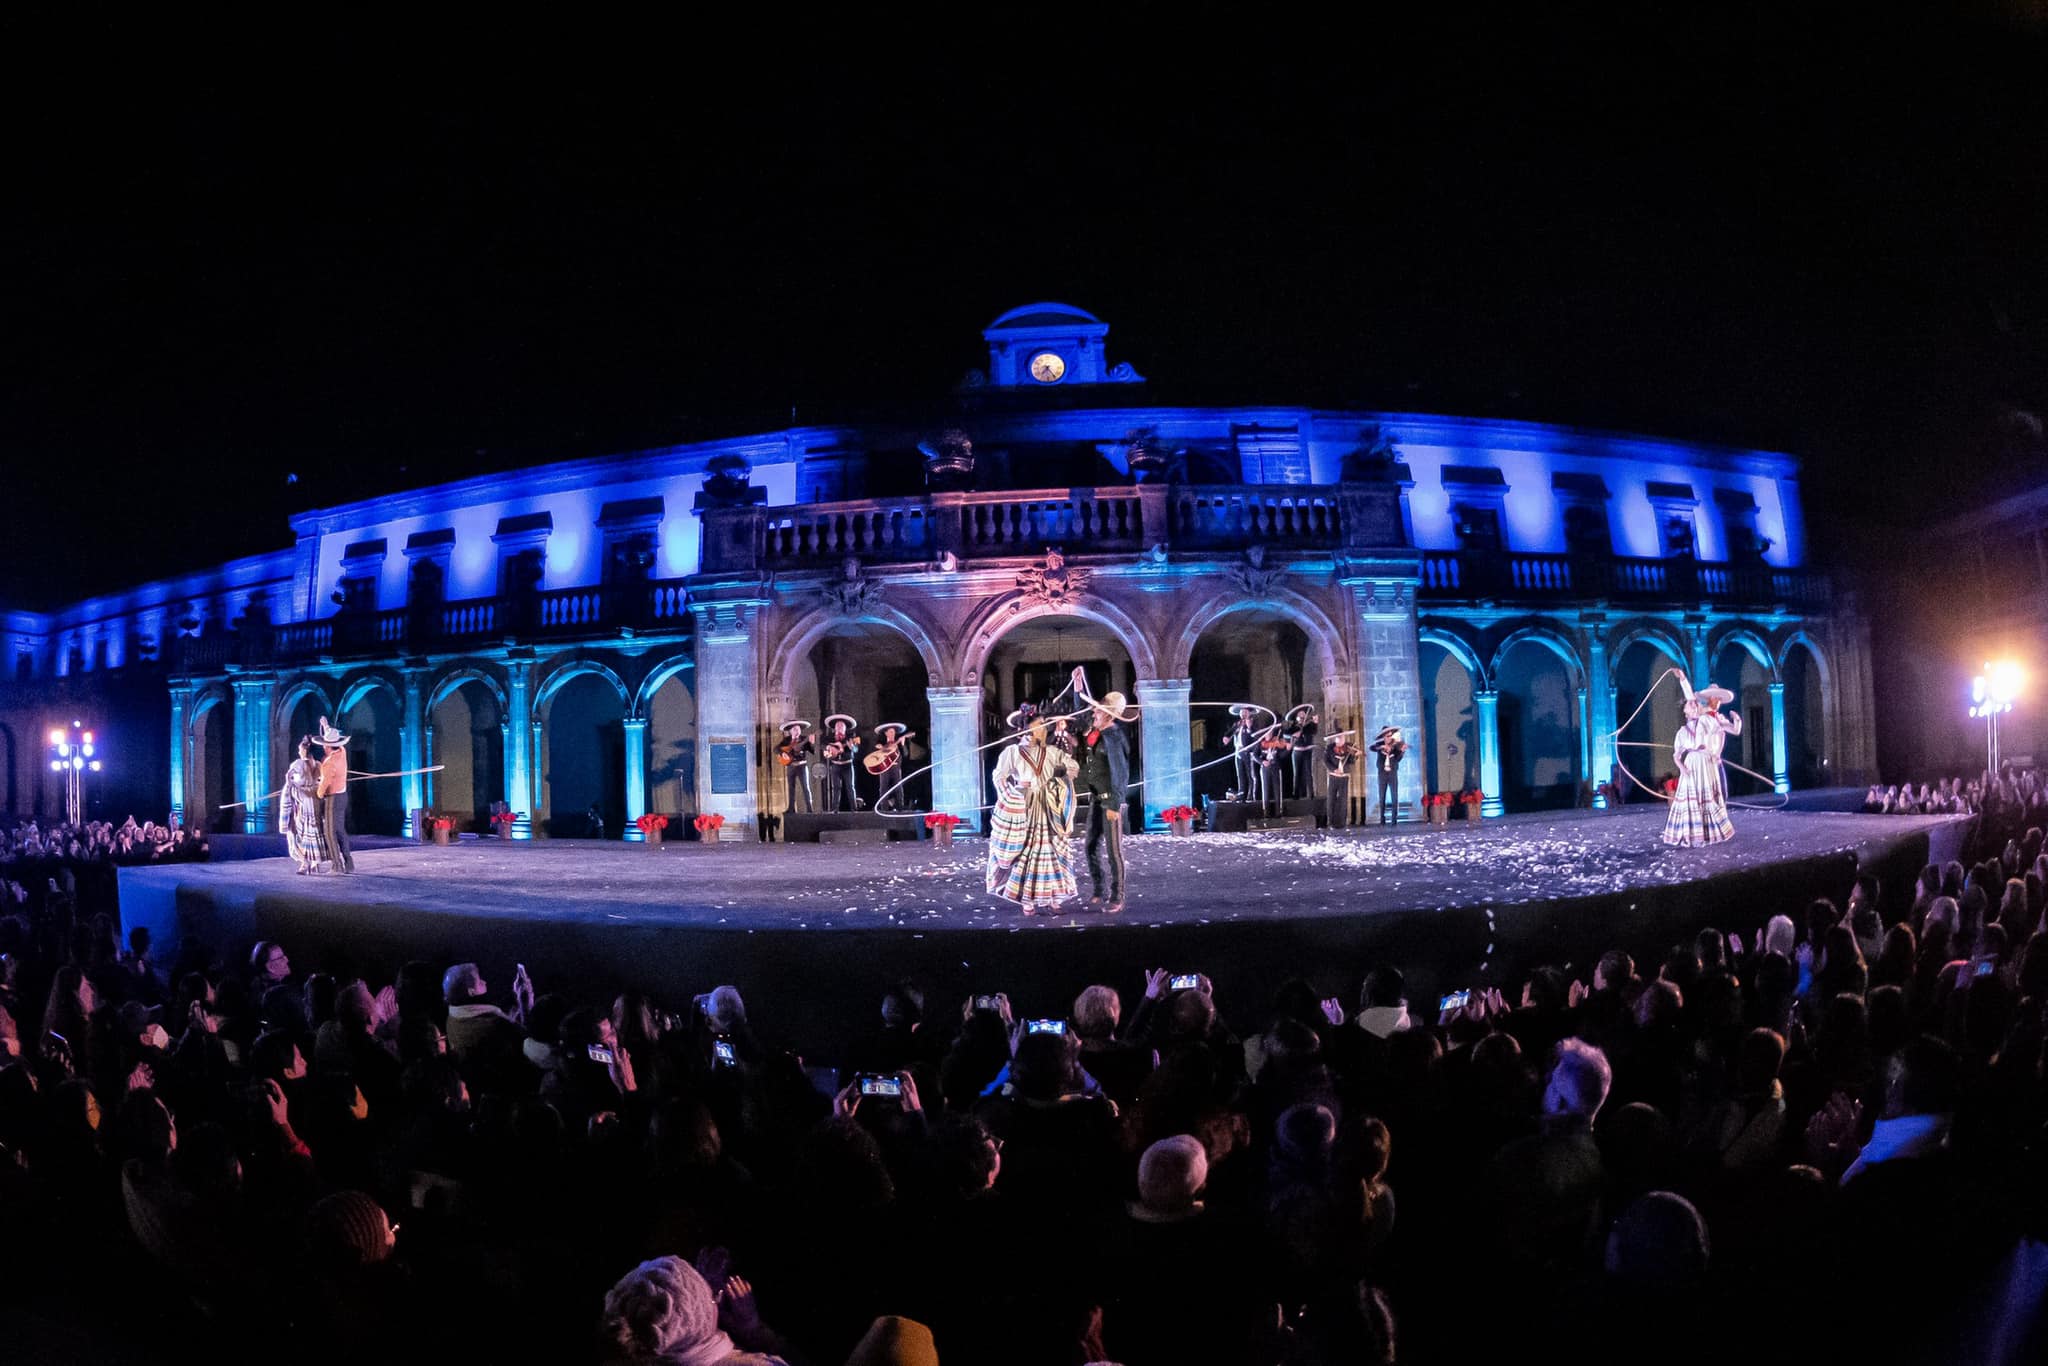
x,y
1450,726
1254,655
1539,730
1640,671
1736,669
586,759
469,740
875,675
1033,662
672,745
376,806
1806,753
213,770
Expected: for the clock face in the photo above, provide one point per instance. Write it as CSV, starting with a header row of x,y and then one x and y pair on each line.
x,y
1048,368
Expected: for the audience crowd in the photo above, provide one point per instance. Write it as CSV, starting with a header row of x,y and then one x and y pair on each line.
x,y
2018,796
93,842
1798,1139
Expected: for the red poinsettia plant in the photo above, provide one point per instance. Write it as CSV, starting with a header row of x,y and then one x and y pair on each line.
x,y
441,823
503,820
1671,784
651,822
940,820
1174,814
709,824
1437,799
1472,796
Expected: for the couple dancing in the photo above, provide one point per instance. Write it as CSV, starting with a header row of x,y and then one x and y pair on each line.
x,y
313,808
1030,838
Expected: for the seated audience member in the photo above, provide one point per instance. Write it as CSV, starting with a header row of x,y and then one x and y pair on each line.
x,y
1541,1195
664,1312
1119,1068
482,1039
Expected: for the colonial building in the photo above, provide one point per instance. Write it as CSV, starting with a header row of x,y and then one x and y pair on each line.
x,y
625,634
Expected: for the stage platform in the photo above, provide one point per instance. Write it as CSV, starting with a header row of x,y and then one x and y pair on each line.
x,y
809,932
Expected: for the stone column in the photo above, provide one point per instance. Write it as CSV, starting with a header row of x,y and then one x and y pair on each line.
x,y
1781,773
776,708
427,794
728,665
956,762
1585,738
520,745
1168,743
1390,658
412,750
178,698
1600,686
1487,704
252,738
1702,662
636,777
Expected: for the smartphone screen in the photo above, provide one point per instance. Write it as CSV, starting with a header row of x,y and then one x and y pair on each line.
x,y
881,1086
1187,981
721,1049
599,1053
1455,1000
1045,1026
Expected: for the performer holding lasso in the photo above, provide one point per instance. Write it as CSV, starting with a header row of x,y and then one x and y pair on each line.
x,y
1699,809
1031,831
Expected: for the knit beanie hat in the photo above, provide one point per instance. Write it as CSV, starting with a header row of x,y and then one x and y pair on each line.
x,y
1172,1173
659,1308
348,1228
893,1341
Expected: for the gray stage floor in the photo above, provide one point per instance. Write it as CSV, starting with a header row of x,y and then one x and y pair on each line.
x,y
1205,879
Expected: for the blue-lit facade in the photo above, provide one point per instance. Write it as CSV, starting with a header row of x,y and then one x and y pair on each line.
x,y
1504,591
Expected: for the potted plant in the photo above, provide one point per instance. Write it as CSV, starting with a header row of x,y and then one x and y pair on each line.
x,y
651,825
1671,785
1437,808
941,825
708,827
1180,819
443,828
1473,801
502,818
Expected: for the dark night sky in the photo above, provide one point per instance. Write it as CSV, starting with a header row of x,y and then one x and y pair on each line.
x,y
1757,236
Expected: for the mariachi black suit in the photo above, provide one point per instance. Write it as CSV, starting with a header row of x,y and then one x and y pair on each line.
x,y
1387,756
1301,752
1244,744
1338,768
1106,778
797,777
839,790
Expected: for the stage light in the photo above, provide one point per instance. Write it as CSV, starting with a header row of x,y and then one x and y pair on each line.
x,y
72,754
57,737
56,766
1991,696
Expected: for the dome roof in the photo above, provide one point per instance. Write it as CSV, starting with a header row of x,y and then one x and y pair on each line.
x,y
1045,315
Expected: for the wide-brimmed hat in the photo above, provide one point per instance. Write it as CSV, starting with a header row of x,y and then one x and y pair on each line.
x,y
797,726
1022,717
328,736
1385,731
851,724
1308,707
1713,696
1117,706
896,726
1240,708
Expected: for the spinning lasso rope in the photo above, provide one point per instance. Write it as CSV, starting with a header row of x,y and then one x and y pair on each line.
x,y
1077,685
353,775
1615,735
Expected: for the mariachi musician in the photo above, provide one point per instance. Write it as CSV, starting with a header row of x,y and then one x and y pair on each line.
x,y
1244,747
1272,764
842,747
1301,751
1388,748
795,753
1340,761
886,763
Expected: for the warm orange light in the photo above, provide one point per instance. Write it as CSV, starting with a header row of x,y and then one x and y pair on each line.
x,y
57,737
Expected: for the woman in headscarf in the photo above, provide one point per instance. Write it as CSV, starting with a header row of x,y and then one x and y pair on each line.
x,y
1030,838
1699,808
299,809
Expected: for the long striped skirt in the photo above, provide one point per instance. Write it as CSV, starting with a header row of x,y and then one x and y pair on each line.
x,y
1699,809
1030,855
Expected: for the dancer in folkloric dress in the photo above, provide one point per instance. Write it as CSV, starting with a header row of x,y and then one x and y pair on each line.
x,y
1699,809
299,809
1031,832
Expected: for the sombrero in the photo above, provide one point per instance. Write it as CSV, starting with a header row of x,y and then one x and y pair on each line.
x,y
851,724
328,736
1022,717
1385,731
788,726
896,726
1304,707
1240,708
1115,704
1713,696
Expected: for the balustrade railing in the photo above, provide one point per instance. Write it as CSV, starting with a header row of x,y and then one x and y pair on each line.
x,y
1522,574
1255,514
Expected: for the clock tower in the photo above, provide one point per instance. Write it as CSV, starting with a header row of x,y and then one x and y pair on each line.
x,y
1049,346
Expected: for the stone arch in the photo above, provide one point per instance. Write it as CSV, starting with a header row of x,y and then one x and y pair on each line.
x,y
205,699
1458,648
1752,644
809,628
1661,636
989,624
362,686
288,698
211,779
1322,630
661,673
576,666
1550,638
467,673
1799,635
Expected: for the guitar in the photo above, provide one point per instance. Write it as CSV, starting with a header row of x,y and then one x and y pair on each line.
x,y
885,755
